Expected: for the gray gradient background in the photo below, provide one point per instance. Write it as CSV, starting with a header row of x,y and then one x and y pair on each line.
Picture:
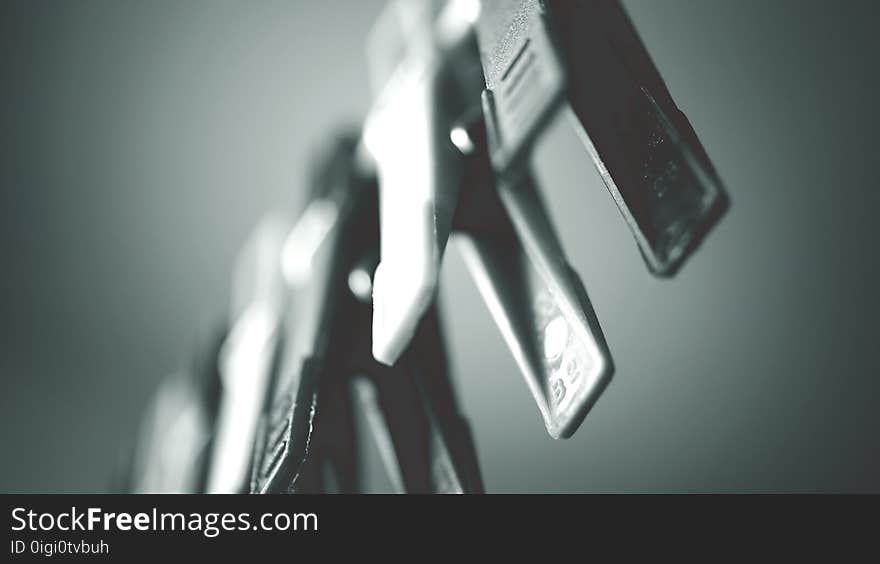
x,y
142,141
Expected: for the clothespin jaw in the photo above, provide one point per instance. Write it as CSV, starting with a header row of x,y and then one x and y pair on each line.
x,y
540,55
535,297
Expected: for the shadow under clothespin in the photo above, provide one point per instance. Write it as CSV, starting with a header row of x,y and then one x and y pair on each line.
x,y
326,371
539,55
174,446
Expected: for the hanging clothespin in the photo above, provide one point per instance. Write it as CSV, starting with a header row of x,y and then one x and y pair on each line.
x,y
537,300
247,354
542,55
326,369
415,54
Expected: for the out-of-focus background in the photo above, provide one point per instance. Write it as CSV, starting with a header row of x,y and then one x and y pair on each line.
x,y
142,141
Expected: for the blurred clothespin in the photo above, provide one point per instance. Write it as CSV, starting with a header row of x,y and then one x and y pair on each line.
x,y
247,355
326,368
174,446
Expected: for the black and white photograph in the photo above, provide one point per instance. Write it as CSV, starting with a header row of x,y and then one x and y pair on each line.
x,y
430,247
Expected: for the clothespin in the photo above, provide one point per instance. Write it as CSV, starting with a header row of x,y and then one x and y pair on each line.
x,y
535,297
326,367
541,55
247,355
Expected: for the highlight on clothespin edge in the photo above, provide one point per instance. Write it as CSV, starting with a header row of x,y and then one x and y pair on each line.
x,y
303,241
410,51
246,356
